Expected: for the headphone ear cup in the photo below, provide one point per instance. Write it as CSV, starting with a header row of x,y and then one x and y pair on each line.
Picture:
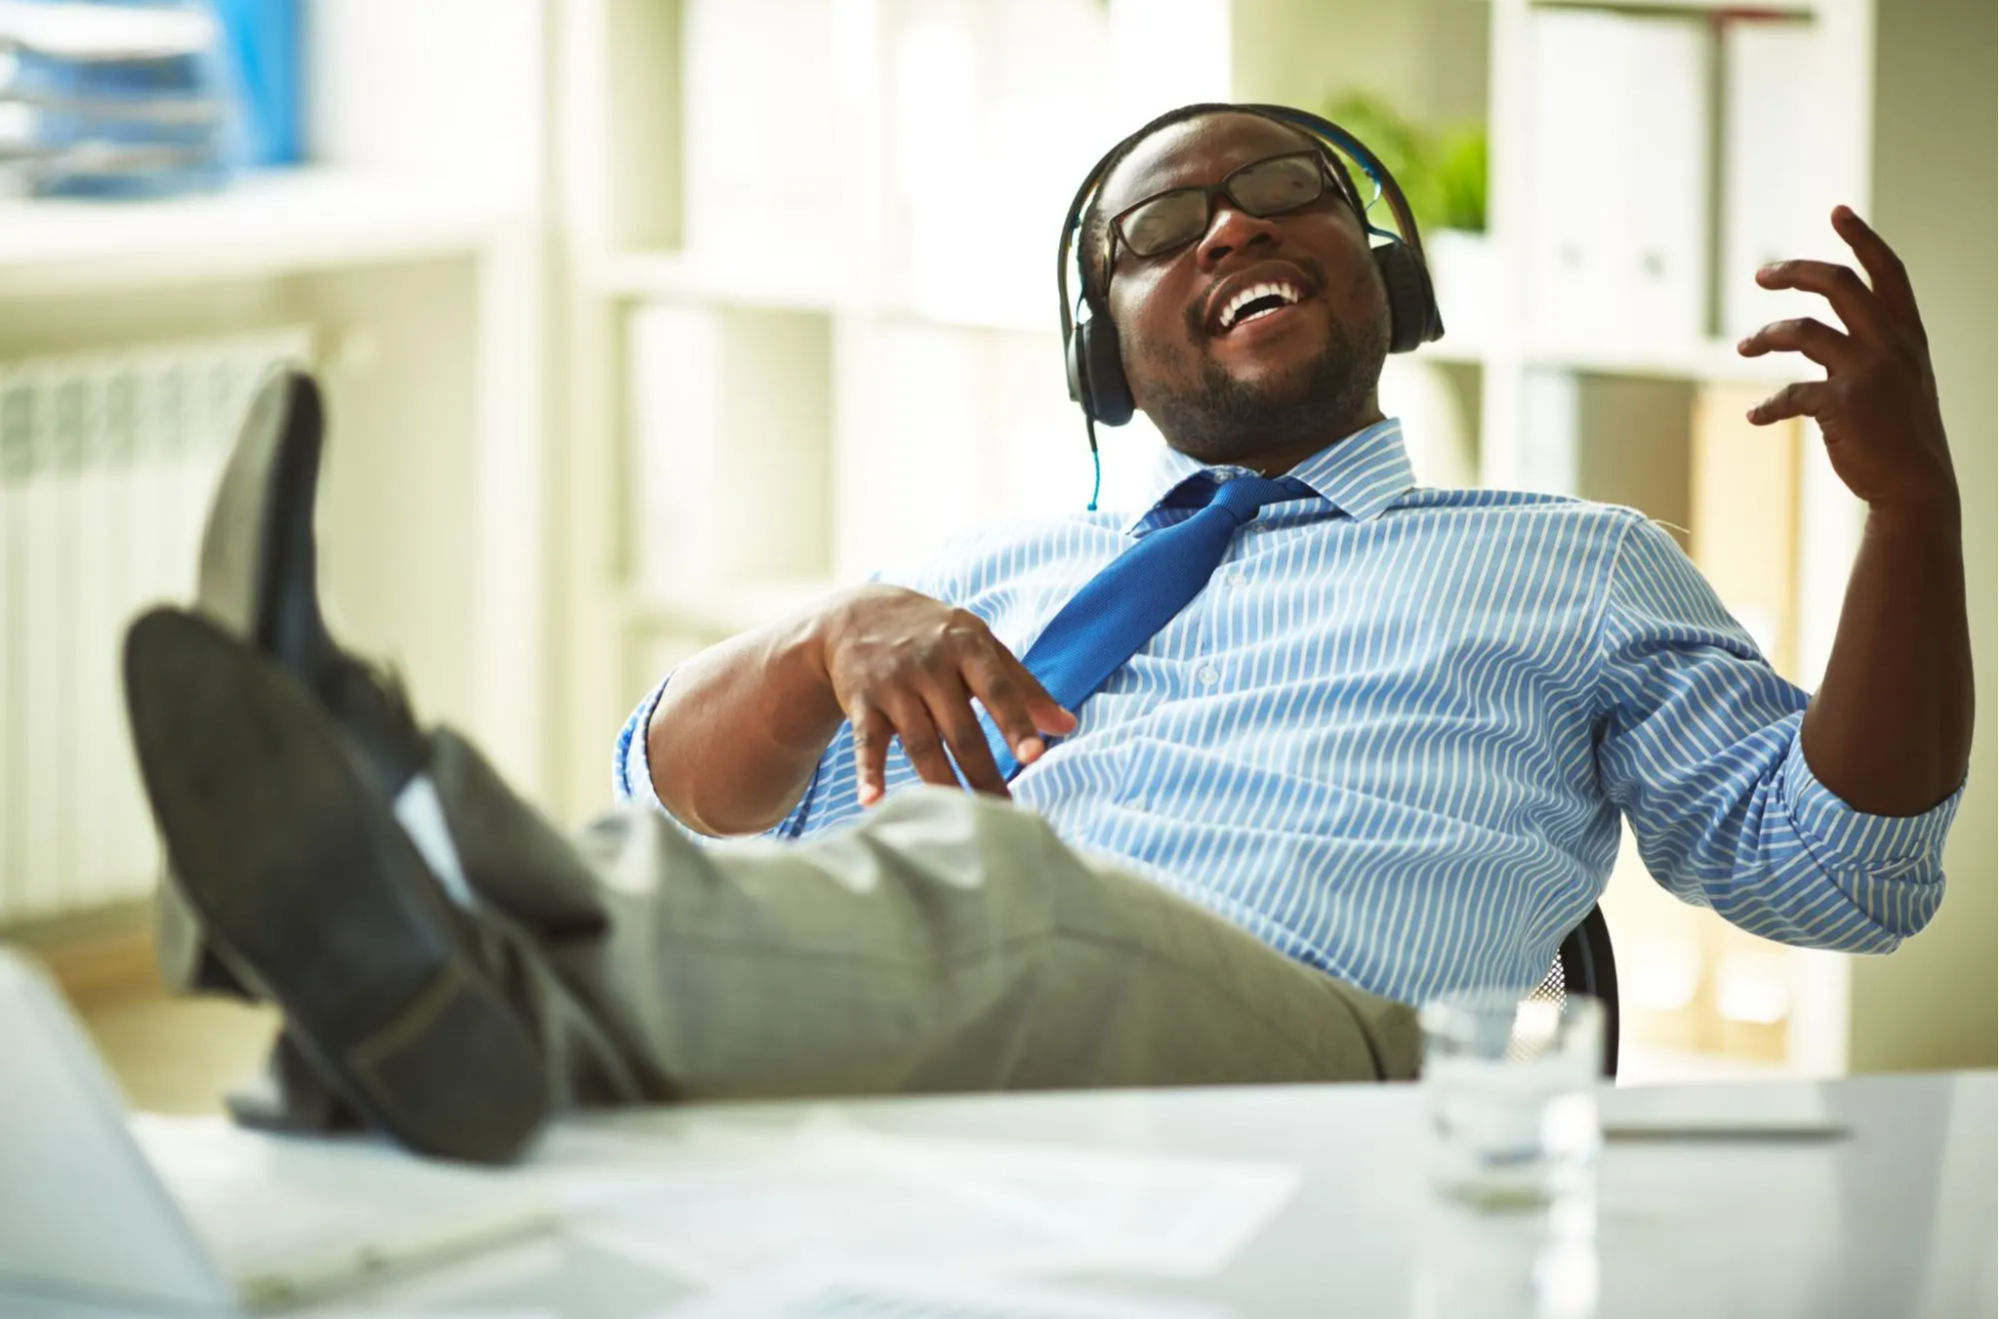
x,y
1412,304
1106,394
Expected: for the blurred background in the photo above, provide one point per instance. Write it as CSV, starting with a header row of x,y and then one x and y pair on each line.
x,y
643,321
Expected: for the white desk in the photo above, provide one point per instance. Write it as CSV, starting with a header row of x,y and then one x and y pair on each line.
x,y
1896,1219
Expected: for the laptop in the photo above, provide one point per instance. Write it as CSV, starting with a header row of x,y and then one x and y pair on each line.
x,y
198,1217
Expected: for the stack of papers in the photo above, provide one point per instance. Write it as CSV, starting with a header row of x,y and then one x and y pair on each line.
x,y
824,1215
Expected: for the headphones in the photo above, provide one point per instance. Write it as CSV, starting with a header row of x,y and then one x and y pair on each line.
x,y
1096,370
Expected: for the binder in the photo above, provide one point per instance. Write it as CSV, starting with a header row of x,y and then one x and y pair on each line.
x,y
1620,132
1777,189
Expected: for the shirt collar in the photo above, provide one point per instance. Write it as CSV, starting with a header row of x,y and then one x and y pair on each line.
x,y
1361,475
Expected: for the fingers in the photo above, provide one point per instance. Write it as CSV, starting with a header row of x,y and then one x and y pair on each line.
x,y
872,733
908,720
921,742
951,709
1804,399
935,727
1884,267
1021,708
1849,295
1050,715
1815,339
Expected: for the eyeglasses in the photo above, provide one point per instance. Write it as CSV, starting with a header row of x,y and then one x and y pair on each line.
x,y
1265,187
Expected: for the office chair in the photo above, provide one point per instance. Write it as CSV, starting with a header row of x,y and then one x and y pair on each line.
x,y
1585,964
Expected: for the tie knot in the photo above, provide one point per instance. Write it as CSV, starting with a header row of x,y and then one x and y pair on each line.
x,y
1242,496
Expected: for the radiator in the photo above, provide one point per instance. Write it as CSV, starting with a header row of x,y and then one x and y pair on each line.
x,y
107,463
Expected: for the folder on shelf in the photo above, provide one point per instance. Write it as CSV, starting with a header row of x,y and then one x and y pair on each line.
x,y
1778,169
1619,218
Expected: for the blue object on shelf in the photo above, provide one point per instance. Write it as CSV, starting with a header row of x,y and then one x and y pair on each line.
x,y
262,41
130,108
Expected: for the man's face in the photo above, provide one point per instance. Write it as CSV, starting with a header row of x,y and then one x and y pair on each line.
x,y
1219,391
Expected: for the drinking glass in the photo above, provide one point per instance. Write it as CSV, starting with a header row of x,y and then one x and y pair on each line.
x,y
1511,1085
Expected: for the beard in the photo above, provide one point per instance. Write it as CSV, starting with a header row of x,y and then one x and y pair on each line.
x,y
1217,419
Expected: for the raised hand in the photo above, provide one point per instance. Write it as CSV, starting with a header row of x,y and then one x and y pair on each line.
x,y
903,665
1877,406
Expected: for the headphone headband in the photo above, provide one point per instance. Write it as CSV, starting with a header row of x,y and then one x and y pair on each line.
x,y
1324,133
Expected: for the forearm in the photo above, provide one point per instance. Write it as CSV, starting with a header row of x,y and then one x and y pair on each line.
x,y
738,731
1890,729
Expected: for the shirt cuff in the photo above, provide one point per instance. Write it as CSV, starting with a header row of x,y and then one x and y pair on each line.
x,y
631,770
1841,838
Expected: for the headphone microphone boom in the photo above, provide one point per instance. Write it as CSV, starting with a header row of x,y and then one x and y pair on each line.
x,y
1089,343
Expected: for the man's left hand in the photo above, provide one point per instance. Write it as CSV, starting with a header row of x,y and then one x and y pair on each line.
x,y
1877,406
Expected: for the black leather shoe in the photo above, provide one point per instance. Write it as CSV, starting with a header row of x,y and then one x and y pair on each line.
x,y
309,893
258,580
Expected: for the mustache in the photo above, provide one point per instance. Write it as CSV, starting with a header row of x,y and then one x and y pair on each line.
x,y
1197,318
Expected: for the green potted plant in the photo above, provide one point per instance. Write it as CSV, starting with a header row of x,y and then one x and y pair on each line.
x,y
1442,173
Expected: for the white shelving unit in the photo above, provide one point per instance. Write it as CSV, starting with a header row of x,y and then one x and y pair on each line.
x,y
416,268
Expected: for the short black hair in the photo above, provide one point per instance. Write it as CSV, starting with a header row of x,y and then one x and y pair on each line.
x,y
1093,242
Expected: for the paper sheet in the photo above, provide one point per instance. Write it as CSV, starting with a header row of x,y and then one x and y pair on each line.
x,y
834,1292
1724,1112
743,1205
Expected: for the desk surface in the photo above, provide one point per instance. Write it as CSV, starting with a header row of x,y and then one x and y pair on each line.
x,y
1897,1218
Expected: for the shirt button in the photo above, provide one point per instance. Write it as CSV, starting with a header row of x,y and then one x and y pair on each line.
x,y
1208,675
1236,578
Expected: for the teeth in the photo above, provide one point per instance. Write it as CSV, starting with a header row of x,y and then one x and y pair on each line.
x,y
1243,297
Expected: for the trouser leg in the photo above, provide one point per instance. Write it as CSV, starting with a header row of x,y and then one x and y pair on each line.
x,y
948,943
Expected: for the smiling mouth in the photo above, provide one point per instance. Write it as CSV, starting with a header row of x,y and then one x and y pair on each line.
x,y
1258,301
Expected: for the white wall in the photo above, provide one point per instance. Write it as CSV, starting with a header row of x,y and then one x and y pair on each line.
x,y
1936,169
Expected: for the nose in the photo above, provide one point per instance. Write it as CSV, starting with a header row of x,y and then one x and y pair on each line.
x,y
1231,228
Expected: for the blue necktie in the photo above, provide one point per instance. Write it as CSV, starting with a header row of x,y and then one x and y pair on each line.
x,y
1141,590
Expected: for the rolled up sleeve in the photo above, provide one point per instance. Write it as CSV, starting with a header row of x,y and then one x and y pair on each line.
x,y
631,769
1699,745
832,796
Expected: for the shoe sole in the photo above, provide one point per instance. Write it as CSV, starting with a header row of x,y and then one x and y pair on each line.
x,y
309,891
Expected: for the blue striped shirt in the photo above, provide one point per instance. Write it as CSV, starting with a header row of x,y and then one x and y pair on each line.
x,y
1394,735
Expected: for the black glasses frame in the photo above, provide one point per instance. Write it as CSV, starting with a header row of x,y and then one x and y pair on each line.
x,y
1209,191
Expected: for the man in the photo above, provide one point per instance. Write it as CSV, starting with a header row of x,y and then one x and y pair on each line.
x,y
1383,753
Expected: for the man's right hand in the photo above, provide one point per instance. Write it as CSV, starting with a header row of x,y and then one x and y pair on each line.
x,y
902,665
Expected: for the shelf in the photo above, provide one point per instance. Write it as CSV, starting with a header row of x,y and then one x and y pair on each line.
x,y
1732,9
262,225
673,277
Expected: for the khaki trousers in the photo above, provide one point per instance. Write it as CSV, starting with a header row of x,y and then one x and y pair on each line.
x,y
947,943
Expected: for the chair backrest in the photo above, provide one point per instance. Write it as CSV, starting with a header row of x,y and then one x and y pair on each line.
x,y
1585,964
